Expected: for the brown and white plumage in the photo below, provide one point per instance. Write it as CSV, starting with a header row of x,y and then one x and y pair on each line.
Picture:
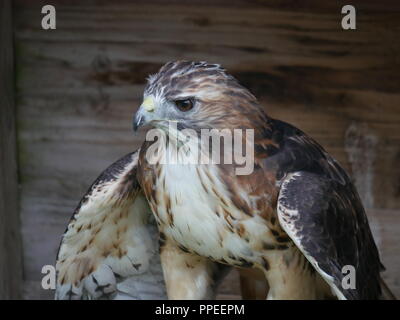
x,y
297,217
110,248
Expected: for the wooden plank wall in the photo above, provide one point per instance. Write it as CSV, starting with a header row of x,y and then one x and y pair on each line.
x,y
79,85
10,238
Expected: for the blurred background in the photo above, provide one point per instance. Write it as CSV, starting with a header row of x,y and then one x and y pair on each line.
x,y
67,97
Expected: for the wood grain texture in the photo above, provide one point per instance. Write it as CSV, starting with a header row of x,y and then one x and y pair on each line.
x,y
10,240
385,227
79,85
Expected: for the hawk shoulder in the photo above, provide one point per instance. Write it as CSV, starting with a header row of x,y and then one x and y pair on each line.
x,y
327,222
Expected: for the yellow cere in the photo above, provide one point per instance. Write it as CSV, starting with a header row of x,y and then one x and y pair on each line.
x,y
148,104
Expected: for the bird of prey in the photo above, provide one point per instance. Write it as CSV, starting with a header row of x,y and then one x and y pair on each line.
x,y
296,217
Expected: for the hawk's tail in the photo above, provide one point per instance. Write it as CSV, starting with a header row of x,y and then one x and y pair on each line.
x,y
387,294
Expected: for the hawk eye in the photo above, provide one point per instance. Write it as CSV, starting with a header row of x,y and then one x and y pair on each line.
x,y
184,104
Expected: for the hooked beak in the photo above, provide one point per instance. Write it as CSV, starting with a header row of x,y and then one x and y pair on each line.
x,y
138,121
144,113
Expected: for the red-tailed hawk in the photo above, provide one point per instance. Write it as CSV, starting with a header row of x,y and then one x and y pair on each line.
x,y
296,216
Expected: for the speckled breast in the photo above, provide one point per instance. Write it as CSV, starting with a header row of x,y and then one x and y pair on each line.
x,y
193,207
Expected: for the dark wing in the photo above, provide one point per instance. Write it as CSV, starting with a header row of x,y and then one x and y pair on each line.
x,y
326,222
110,248
321,211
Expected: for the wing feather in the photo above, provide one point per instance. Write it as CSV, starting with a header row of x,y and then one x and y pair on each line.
x,y
110,247
319,208
327,223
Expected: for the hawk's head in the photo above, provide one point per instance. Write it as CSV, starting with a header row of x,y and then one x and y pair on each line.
x,y
197,95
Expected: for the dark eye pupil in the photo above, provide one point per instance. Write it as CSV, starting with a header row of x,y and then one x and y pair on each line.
x,y
184,105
